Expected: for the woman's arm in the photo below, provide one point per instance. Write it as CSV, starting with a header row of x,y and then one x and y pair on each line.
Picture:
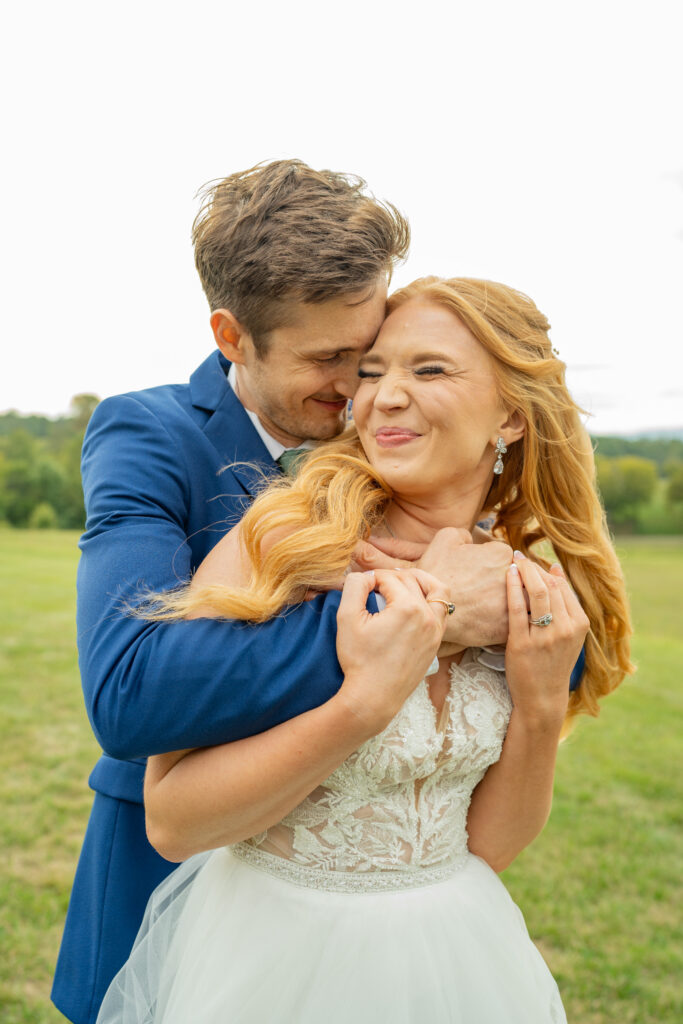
x,y
200,799
511,804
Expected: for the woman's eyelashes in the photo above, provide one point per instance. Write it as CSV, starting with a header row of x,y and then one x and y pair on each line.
x,y
426,371
422,371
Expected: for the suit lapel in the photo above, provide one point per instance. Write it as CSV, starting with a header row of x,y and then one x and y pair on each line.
x,y
228,428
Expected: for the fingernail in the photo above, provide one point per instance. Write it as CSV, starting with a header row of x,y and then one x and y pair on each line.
x,y
369,572
556,565
513,570
397,568
519,554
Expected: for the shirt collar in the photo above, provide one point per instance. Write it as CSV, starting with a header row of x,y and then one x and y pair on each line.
x,y
275,448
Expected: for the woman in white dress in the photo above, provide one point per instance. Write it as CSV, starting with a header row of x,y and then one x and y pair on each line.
x,y
350,873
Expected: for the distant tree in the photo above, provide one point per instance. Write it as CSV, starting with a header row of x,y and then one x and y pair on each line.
x,y
40,465
43,517
626,485
81,408
658,450
674,491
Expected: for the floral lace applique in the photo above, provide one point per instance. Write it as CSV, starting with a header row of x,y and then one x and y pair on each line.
x,y
398,805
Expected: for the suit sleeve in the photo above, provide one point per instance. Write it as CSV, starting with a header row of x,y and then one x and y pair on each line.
x,y
154,687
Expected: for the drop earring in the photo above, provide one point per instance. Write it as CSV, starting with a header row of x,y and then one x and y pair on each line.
x,y
500,452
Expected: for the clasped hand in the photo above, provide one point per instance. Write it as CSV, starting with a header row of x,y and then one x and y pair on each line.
x,y
384,656
473,575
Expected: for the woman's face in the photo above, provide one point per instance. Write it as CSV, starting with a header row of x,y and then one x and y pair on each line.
x,y
427,408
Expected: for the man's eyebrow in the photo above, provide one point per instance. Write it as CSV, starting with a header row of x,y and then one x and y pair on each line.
x,y
337,350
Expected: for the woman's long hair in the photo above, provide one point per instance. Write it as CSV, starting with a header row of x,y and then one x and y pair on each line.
x,y
546,494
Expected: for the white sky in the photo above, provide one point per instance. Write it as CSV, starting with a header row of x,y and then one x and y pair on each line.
x,y
530,142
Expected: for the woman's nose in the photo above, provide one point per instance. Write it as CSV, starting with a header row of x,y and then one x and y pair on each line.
x,y
391,393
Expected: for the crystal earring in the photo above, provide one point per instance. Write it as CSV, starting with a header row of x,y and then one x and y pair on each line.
x,y
500,452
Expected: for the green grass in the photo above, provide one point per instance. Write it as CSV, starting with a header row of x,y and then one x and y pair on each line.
x,y
597,888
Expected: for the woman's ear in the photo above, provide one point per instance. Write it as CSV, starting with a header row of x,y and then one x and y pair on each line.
x,y
512,428
229,334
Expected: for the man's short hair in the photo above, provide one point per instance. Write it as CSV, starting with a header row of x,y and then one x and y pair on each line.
x,y
281,232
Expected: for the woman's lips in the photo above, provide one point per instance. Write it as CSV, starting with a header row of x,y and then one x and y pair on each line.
x,y
393,437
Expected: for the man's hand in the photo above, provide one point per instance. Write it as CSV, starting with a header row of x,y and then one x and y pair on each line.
x,y
473,574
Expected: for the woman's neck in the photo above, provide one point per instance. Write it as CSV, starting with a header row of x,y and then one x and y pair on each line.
x,y
417,521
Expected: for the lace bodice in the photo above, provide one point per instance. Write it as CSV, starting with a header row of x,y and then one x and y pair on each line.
x,y
397,807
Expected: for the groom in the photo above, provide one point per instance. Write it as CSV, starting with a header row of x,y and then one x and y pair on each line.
x,y
295,265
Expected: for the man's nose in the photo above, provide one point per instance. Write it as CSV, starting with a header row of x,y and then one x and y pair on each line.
x,y
346,382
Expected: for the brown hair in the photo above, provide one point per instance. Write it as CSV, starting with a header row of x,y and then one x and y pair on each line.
x,y
282,232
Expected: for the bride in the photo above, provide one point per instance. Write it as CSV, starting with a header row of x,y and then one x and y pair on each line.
x,y
341,867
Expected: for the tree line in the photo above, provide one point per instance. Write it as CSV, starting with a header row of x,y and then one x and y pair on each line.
x,y
641,481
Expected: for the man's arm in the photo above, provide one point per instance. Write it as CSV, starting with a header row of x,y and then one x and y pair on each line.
x,y
152,687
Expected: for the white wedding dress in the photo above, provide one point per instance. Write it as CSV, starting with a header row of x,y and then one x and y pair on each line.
x,y
363,906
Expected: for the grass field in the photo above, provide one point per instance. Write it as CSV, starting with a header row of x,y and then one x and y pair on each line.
x,y
598,888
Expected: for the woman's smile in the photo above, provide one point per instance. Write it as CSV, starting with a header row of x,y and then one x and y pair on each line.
x,y
393,437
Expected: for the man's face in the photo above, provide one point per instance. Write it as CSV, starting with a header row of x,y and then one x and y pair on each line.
x,y
301,387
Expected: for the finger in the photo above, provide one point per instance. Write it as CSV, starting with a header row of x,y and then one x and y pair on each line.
x,y
413,588
399,583
431,586
405,549
517,613
535,585
558,607
433,591
367,556
357,588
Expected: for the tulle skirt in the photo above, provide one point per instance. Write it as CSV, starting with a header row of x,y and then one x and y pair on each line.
x,y
223,941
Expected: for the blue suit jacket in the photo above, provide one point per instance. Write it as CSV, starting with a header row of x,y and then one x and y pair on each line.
x,y
158,497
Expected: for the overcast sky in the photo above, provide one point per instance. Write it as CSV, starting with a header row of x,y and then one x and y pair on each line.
x,y
529,142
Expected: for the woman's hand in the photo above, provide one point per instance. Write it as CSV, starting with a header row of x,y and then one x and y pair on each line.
x,y
539,659
384,656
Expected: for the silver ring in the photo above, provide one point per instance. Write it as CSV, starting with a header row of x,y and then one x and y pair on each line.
x,y
544,620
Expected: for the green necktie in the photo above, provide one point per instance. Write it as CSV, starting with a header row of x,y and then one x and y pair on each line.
x,y
289,458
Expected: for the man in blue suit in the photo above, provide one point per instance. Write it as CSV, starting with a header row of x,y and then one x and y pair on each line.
x,y
295,265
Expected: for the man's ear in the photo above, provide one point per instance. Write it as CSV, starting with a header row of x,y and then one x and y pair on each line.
x,y
229,334
512,428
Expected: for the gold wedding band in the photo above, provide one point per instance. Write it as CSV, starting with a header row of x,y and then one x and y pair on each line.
x,y
448,605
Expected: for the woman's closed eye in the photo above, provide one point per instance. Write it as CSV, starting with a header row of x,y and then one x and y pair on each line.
x,y
422,371
427,371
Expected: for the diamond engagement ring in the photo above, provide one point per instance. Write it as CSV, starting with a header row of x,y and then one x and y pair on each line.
x,y
544,620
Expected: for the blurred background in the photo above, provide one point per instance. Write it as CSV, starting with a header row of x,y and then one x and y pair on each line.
x,y
530,142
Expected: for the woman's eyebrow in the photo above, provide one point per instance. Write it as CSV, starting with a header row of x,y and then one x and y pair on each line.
x,y
417,357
